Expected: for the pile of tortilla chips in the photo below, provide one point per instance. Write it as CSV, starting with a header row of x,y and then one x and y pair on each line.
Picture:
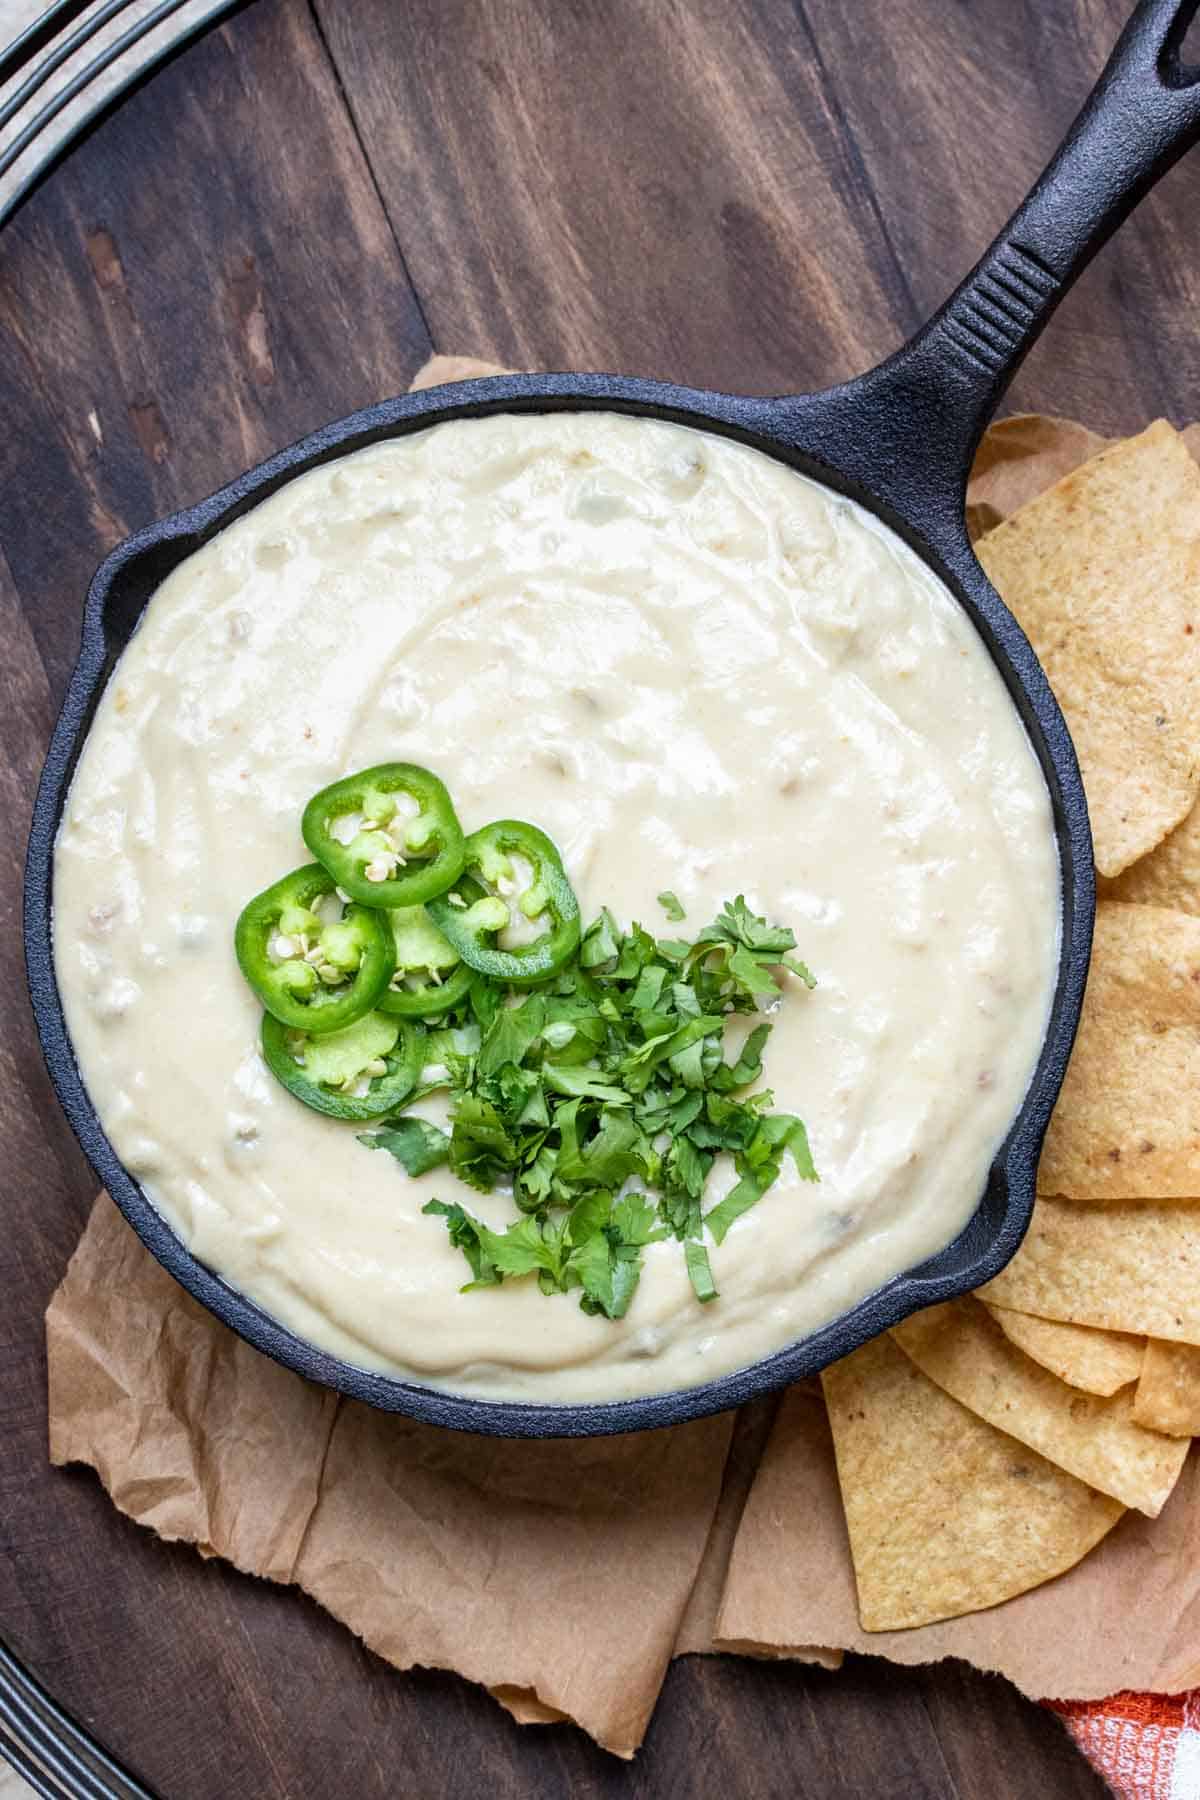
x,y
987,1445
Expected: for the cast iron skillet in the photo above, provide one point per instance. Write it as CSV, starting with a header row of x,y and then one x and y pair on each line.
x,y
899,441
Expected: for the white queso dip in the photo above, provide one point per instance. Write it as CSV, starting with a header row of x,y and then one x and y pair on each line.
x,y
697,671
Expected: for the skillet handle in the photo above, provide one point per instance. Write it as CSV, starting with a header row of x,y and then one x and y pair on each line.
x,y
909,429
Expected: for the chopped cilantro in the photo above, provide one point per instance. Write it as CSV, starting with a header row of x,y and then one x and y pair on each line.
x,y
416,1143
752,947
602,1100
465,1236
699,1271
671,906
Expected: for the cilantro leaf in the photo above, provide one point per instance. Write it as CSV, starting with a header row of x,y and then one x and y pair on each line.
x,y
759,1166
524,1248
613,1072
626,1273
481,1148
601,942
680,1213
414,1142
607,1261
795,1141
740,1198
699,1271
751,947
669,1043
750,974
635,1219
520,1249
671,906
649,987
686,1167
736,924
748,1066
588,1216
559,1033
592,1266
511,1034
619,1149
465,1236
486,1001
777,1133
674,949
801,970
583,1083
534,1185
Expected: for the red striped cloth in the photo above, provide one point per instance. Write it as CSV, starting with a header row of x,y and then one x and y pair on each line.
x,y
1146,1746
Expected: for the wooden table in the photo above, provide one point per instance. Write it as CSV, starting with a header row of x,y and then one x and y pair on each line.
x,y
277,228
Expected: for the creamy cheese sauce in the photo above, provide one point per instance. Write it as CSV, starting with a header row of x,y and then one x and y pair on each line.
x,y
695,669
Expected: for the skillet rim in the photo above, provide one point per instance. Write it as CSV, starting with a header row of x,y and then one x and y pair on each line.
x,y
785,429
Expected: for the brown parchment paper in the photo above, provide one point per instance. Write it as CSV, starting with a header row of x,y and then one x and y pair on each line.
x,y
434,1547
1127,1616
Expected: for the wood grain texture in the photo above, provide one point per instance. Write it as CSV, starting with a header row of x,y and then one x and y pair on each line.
x,y
756,193
762,195
210,277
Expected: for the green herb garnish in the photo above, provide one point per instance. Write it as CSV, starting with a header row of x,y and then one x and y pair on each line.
x,y
416,1143
586,1071
602,1099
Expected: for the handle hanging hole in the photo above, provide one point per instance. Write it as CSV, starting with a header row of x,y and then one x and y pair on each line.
x,y
1181,53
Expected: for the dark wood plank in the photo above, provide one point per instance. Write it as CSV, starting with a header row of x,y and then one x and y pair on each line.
x,y
763,1730
758,196
985,92
653,188
757,193
992,1741
208,279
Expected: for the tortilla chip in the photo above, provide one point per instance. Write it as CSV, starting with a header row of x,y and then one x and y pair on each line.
x,y
1168,1392
1128,1120
960,1346
1103,572
946,1515
1169,876
1099,1362
1019,458
440,370
1123,1265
